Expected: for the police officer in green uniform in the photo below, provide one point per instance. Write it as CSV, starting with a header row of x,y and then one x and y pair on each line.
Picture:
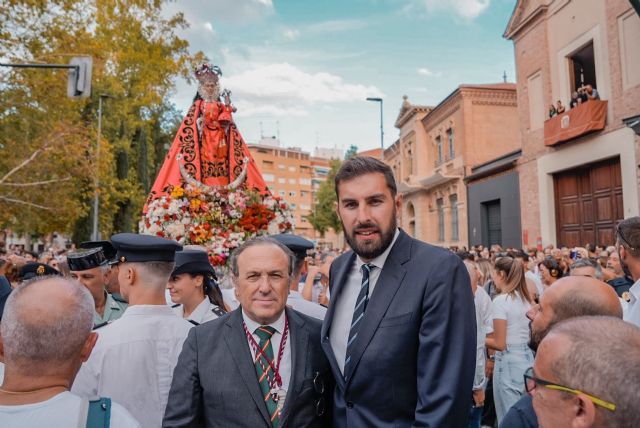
x,y
112,285
90,268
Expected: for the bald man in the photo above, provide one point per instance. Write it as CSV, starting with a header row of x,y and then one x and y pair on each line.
x,y
46,336
568,297
586,374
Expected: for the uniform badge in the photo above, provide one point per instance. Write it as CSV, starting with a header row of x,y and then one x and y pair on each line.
x,y
40,270
626,296
122,259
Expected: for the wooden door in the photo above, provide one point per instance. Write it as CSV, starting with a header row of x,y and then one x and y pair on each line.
x,y
588,204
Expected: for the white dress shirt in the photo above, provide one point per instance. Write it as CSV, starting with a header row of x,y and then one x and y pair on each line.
x,y
133,361
346,301
276,339
300,304
632,312
484,326
202,313
229,297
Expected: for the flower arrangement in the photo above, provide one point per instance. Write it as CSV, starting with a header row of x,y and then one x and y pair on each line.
x,y
220,220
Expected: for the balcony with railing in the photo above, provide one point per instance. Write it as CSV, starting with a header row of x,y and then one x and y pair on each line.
x,y
583,119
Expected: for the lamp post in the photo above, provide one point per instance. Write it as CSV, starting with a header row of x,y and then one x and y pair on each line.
x,y
379,100
95,234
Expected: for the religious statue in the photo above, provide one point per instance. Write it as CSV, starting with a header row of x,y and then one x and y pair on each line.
x,y
208,148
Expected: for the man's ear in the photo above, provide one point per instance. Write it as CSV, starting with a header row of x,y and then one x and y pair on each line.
x,y
398,203
88,346
1,350
583,412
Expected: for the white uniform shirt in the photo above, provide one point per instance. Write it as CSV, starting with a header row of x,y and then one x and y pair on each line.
x,y
300,304
632,312
229,297
60,411
276,339
202,313
133,361
346,302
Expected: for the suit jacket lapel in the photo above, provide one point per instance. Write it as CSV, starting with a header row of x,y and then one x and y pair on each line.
x,y
337,281
386,287
240,353
299,355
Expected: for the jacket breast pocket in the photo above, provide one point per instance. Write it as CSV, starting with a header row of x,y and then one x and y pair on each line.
x,y
395,320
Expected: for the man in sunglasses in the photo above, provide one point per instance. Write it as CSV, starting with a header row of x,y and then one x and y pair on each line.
x,y
568,297
586,374
628,247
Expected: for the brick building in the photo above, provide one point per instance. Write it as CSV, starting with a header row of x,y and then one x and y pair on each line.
x,y
578,170
439,146
294,175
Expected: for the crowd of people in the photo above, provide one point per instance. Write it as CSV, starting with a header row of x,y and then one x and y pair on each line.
x,y
581,95
137,331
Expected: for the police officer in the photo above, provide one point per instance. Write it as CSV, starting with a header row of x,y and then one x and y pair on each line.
x,y
90,268
112,284
134,357
299,247
33,270
193,287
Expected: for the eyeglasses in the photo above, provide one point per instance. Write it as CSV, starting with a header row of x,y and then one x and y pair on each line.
x,y
619,232
530,383
318,385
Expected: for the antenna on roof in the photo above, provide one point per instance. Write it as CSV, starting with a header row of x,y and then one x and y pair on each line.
x,y
261,131
504,76
278,129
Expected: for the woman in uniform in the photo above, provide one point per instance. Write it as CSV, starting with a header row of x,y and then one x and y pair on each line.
x,y
193,288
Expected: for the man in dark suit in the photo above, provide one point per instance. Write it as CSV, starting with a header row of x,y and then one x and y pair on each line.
x,y
259,366
400,331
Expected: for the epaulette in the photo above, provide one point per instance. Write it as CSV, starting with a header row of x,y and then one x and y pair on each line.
x,y
100,325
218,311
194,322
176,305
118,297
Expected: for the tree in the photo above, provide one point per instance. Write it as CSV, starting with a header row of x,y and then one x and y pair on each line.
x,y
351,152
324,216
136,57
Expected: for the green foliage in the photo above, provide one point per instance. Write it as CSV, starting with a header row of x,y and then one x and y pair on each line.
x,y
324,216
351,152
136,57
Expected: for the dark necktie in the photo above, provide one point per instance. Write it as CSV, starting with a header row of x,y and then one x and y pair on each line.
x,y
358,313
264,371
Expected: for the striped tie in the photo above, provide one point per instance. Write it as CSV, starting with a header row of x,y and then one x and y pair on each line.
x,y
358,312
264,371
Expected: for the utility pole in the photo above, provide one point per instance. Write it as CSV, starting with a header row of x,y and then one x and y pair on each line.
x,y
379,100
95,235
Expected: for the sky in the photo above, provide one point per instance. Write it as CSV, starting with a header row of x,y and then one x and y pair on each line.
x,y
302,69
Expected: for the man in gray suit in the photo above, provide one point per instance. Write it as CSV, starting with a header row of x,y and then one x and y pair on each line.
x,y
400,331
259,366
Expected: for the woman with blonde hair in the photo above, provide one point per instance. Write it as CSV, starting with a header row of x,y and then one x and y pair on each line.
x,y
510,333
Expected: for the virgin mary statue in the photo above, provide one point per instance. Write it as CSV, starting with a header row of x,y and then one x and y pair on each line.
x,y
208,147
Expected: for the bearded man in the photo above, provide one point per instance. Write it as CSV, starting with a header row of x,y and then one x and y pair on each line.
x,y
400,333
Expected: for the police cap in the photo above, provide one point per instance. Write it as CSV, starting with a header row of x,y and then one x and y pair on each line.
x,y
297,244
107,248
85,260
132,247
194,262
33,270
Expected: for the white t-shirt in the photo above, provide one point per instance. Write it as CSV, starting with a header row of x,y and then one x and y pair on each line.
x,y
514,310
60,411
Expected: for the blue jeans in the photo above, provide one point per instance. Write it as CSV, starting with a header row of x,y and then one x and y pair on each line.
x,y
508,380
475,415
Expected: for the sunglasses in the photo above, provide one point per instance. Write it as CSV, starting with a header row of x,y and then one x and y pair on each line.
x,y
531,382
624,240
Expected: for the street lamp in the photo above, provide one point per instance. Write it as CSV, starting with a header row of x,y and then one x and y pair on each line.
x,y
379,100
95,235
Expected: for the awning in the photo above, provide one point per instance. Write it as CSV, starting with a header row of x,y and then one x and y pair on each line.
x,y
437,179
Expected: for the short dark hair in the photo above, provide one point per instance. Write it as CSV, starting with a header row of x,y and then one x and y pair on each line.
x,y
361,165
628,235
519,254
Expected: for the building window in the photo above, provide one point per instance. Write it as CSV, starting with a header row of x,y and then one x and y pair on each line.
x,y
439,148
280,166
268,177
267,164
305,181
292,193
453,200
583,67
292,181
440,205
292,168
281,193
452,152
281,180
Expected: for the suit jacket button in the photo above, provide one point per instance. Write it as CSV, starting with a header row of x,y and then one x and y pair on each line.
x,y
350,404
